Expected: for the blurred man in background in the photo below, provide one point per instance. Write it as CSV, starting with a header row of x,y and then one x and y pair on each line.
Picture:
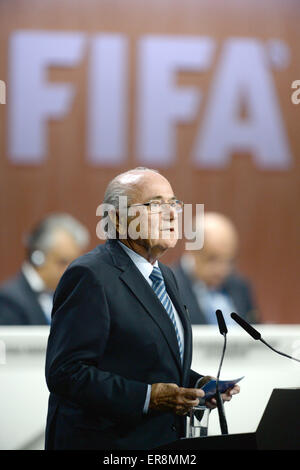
x,y
207,278
51,246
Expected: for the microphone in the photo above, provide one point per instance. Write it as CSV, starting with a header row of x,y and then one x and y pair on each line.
x,y
220,405
256,334
221,322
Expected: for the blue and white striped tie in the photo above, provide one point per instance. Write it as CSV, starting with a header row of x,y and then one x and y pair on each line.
x,y
160,290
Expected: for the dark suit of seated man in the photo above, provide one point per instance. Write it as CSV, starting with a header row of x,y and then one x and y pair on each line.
x,y
207,278
120,345
27,299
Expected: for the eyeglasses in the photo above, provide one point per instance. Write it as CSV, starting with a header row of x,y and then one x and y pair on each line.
x,y
156,206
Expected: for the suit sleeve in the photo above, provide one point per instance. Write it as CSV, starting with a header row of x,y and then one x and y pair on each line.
x,y
10,313
78,337
194,376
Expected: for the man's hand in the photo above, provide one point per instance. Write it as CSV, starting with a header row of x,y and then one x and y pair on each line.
x,y
226,396
170,397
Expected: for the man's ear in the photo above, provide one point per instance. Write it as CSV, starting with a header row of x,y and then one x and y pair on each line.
x,y
120,223
112,216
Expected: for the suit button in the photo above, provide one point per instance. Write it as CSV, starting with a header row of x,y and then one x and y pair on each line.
x,y
173,427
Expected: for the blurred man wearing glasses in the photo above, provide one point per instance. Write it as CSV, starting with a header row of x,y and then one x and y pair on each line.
x,y
120,346
208,278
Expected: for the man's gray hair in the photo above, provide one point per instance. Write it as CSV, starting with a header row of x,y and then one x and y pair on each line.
x,y
42,236
117,189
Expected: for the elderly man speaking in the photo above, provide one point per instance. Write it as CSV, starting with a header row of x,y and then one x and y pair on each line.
x,y
120,346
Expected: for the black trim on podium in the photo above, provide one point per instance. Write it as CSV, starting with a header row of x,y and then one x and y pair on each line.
x,y
278,429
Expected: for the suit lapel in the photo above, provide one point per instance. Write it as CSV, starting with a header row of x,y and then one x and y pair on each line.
x,y
197,316
229,288
30,303
139,287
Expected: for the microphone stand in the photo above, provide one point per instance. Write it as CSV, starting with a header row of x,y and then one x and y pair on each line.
x,y
220,404
256,334
279,352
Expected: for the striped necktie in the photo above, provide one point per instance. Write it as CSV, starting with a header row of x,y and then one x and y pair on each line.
x,y
160,290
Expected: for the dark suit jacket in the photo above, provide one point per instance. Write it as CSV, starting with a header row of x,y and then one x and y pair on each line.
x,y
19,303
235,286
110,337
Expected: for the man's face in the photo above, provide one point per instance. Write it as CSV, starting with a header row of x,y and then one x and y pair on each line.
x,y
215,261
158,230
63,252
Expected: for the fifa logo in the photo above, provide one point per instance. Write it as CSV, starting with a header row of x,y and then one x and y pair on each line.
x,y
2,92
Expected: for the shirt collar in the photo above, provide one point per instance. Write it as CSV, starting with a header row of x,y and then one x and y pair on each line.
x,y
141,263
33,278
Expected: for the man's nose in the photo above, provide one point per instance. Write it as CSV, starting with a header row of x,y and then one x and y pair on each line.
x,y
169,212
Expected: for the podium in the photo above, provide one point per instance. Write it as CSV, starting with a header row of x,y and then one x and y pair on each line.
x,y
278,429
